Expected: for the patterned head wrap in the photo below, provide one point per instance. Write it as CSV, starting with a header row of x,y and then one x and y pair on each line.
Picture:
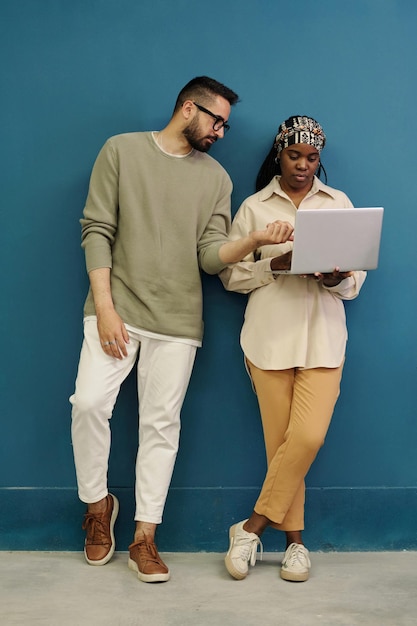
x,y
300,129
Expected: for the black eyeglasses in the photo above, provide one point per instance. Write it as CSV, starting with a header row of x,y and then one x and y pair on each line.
x,y
218,121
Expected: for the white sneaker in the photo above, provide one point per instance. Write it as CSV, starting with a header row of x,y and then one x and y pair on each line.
x,y
242,550
296,563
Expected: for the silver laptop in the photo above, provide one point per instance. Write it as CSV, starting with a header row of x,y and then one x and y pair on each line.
x,y
329,238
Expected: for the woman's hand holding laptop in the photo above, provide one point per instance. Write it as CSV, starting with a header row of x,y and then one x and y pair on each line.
x,y
332,279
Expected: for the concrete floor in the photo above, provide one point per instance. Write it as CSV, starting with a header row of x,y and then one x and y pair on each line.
x,y
60,589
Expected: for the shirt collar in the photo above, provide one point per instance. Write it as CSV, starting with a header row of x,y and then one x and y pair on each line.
x,y
275,187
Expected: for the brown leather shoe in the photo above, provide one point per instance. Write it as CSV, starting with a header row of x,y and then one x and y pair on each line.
x,y
145,560
99,543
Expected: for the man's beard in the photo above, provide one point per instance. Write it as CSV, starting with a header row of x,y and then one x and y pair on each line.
x,y
192,135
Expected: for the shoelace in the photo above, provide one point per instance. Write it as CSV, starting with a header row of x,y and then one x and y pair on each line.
x,y
96,529
248,549
149,551
297,555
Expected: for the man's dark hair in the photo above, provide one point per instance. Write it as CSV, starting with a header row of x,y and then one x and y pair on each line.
x,y
204,90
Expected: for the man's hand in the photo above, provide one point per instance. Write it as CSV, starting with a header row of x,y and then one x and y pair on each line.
x,y
276,232
113,334
112,331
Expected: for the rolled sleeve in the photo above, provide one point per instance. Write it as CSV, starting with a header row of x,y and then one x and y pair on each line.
x,y
246,276
349,288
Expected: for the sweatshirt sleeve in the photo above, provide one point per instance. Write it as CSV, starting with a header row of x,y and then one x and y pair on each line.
x,y
216,232
99,223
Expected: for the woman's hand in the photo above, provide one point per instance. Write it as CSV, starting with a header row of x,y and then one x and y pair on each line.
x,y
332,279
282,262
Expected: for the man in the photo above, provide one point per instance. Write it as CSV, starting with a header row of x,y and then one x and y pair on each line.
x,y
158,210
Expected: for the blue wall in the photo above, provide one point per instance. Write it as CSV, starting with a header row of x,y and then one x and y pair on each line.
x,y
74,73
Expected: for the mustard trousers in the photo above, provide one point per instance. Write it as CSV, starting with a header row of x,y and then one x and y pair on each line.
x,y
296,407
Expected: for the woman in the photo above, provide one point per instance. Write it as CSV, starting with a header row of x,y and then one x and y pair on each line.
x,y
293,337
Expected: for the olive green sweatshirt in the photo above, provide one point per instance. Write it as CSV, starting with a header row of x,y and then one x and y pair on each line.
x,y
155,219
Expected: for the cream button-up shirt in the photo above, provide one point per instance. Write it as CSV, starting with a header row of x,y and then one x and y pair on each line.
x,y
289,321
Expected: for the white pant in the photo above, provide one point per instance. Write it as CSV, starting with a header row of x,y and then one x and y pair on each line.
x,y
163,371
